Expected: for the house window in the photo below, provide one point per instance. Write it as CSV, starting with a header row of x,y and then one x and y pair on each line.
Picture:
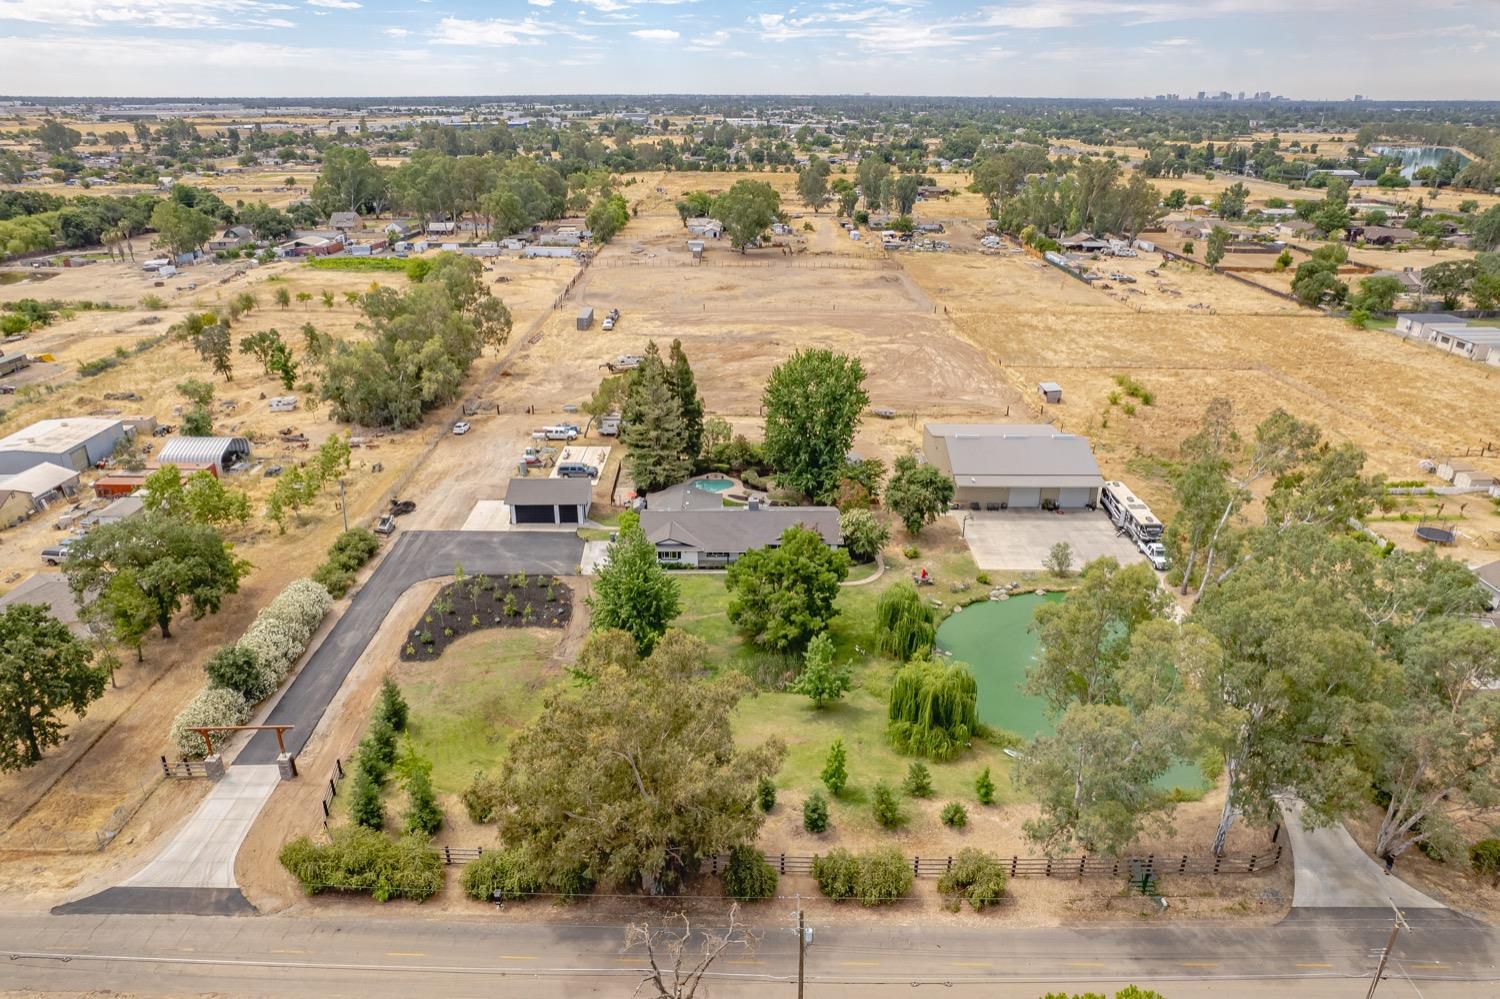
x,y
672,556
719,556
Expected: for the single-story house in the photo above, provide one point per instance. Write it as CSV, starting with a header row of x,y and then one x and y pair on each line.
x,y
1082,242
1477,343
42,484
705,227
1489,578
1414,324
997,466
1295,227
716,538
1410,278
535,500
1188,229
1379,235
15,506
74,442
441,228
232,238
344,221
223,452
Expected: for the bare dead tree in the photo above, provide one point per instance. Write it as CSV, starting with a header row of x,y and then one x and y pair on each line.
x,y
677,968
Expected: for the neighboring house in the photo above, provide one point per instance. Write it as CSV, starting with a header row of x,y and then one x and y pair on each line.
x,y
1379,235
1296,227
40,485
15,506
441,228
1414,324
1489,578
1477,343
998,466
535,500
1410,278
73,442
716,538
1082,242
705,227
345,222
1188,229
232,238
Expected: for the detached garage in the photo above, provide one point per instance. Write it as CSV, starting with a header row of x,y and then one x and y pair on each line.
x,y
999,466
74,443
548,501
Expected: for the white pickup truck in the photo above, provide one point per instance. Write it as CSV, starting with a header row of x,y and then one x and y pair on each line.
x,y
1155,553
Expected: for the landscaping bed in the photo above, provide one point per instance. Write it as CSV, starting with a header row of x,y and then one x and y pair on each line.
x,y
482,602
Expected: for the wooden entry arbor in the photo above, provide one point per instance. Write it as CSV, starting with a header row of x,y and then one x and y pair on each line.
x,y
205,730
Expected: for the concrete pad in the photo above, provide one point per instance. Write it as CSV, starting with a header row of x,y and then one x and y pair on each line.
x,y
488,515
594,553
1021,539
202,853
595,456
1334,873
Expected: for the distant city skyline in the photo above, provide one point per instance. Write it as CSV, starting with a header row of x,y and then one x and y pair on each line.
x,y
1305,49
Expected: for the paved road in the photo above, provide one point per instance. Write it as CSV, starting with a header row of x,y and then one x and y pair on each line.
x,y
416,555
381,954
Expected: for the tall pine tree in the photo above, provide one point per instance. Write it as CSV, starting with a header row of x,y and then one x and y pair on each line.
x,y
685,387
653,428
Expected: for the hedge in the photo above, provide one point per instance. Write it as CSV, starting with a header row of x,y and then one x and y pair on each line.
x,y
747,876
976,876
500,875
274,641
211,706
875,877
363,860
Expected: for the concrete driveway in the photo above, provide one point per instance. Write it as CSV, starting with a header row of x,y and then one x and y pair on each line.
x,y
1021,539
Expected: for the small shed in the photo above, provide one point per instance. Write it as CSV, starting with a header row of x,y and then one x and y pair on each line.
x,y
586,317
225,452
548,501
120,509
1471,478
1049,391
1449,468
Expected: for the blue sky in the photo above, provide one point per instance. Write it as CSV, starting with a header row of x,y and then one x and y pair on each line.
x,y
1125,48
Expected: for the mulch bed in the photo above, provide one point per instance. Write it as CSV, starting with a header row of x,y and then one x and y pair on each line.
x,y
481,603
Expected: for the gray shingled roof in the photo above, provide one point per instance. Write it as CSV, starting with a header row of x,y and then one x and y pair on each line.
x,y
548,492
1025,454
736,530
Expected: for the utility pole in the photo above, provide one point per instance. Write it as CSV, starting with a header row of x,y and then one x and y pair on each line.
x,y
1390,945
344,506
801,947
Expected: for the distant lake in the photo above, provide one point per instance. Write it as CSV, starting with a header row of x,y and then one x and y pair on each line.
x,y
1414,158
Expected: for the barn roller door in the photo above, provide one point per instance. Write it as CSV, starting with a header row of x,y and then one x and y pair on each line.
x,y
1070,499
1024,498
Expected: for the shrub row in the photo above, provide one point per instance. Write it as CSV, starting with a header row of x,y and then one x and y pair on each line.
x,y
349,551
375,757
245,672
976,877
875,877
362,860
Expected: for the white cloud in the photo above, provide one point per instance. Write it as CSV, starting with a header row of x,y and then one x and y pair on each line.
x,y
493,32
656,35
215,14
540,3
713,41
335,4
396,32
1177,41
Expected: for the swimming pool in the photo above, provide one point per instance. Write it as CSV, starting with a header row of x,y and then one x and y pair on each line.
x,y
993,637
714,485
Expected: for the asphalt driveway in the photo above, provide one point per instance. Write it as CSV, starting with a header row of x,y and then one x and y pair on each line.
x,y
416,555
1019,540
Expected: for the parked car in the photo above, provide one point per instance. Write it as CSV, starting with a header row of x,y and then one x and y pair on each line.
x,y
461,427
386,525
576,470
561,432
609,323
1155,553
55,554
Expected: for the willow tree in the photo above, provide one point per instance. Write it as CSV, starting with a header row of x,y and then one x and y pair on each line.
x,y
905,627
932,709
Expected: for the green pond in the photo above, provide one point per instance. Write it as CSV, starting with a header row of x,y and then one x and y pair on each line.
x,y
993,637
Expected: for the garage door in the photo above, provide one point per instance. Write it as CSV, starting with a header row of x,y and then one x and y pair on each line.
x,y
568,513
1072,499
1021,499
534,513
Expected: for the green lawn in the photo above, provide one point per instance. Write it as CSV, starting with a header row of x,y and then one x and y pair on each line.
x,y
465,705
860,719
